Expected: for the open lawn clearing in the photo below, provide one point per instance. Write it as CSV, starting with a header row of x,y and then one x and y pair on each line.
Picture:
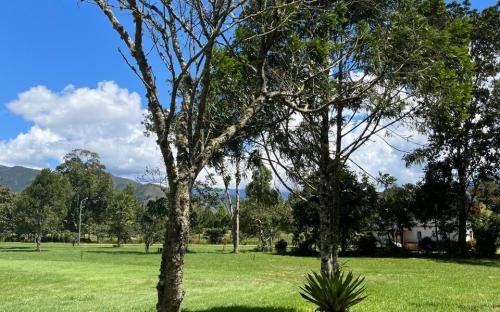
x,y
103,278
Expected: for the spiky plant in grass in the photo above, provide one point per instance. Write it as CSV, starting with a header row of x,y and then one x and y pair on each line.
x,y
333,293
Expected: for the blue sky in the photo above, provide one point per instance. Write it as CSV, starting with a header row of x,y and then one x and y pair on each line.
x,y
56,43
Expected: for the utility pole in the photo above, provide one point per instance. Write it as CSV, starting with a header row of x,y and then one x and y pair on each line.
x,y
80,220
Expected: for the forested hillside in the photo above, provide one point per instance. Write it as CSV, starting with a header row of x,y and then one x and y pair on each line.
x,y
18,178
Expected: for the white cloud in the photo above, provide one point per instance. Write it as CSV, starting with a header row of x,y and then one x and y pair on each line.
x,y
384,154
381,153
106,119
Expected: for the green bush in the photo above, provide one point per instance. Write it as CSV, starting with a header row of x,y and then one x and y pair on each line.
x,y
280,246
427,244
366,245
333,293
215,235
305,248
486,227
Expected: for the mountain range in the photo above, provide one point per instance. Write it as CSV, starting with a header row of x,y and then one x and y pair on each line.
x,y
17,178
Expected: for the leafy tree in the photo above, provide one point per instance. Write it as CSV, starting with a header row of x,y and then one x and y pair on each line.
x,y
359,203
486,219
43,205
264,214
122,214
260,189
486,227
396,209
8,216
233,154
488,192
151,221
359,207
305,221
92,189
435,200
377,60
462,122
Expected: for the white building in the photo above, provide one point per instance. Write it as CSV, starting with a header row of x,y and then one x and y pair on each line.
x,y
411,237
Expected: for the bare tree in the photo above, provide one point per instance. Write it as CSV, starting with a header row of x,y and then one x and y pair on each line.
x,y
178,40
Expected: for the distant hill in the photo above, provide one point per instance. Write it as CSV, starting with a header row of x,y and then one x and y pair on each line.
x,y
18,178
143,192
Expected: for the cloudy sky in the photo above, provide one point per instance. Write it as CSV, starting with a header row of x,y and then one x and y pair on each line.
x,y
64,86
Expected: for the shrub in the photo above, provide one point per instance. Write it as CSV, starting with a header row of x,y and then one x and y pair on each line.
x,y
367,245
427,244
486,228
305,248
333,293
280,246
215,235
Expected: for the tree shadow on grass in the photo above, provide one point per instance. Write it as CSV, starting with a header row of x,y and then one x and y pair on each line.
x,y
460,307
243,309
117,251
226,251
14,247
470,261
19,249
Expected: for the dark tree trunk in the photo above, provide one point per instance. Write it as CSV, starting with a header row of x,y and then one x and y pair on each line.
x,y
336,216
462,213
261,234
38,242
325,200
325,247
401,238
236,230
462,227
170,292
236,212
330,175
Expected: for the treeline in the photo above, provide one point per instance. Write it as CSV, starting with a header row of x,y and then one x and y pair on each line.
x,y
76,201
71,203
308,84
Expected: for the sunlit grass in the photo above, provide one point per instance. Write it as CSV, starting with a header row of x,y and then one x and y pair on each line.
x,y
103,278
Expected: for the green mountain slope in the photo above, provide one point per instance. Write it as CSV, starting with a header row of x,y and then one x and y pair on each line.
x,y
18,178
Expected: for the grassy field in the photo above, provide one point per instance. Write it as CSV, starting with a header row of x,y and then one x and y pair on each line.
x,y
103,278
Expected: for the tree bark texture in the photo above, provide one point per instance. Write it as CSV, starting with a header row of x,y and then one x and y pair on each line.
x,y
38,242
463,206
170,292
236,212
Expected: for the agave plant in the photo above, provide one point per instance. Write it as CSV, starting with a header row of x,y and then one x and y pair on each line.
x,y
333,293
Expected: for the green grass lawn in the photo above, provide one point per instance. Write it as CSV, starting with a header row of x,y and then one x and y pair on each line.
x,y
103,278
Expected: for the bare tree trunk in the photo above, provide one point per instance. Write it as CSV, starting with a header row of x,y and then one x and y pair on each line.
x,y
236,227
170,292
326,208
38,241
462,213
236,212
436,227
325,241
335,222
462,226
401,238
